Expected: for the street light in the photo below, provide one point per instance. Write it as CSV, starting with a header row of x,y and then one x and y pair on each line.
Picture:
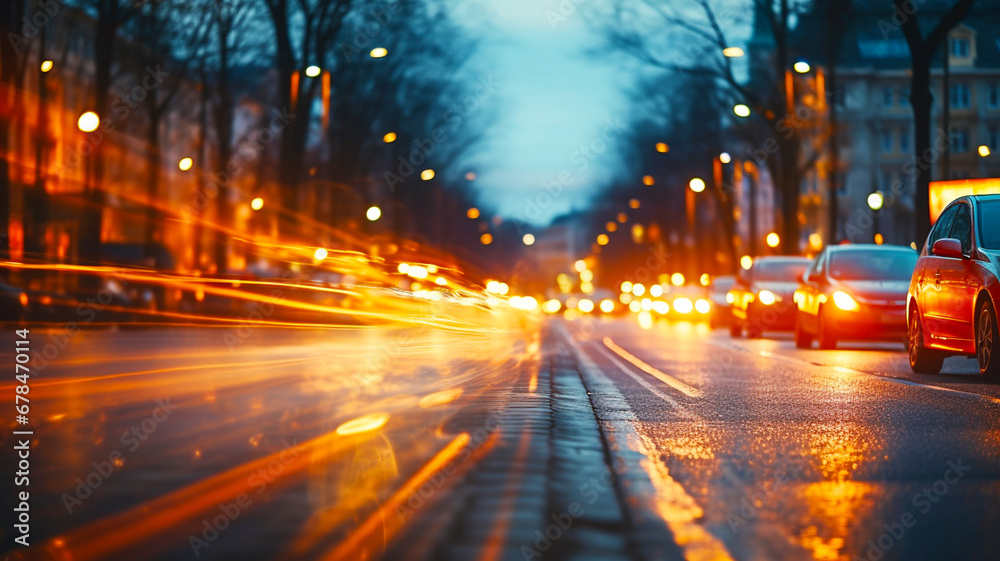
x,y
603,239
320,254
312,71
725,157
486,239
528,239
746,262
88,121
875,200
185,164
373,213
379,52
471,176
257,203
662,147
732,52
472,213
427,174
46,65
772,239
984,150
741,110
389,137
697,185
648,180
801,67
633,203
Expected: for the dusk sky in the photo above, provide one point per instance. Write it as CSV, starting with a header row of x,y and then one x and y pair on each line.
x,y
554,97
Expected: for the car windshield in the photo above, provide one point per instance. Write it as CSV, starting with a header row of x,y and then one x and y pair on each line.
x,y
779,271
721,285
989,224
873,264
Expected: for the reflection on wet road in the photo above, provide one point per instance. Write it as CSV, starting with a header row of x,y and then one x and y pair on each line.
x,y
161,440
355,443
799,454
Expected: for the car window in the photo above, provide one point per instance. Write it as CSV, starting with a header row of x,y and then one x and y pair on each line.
x,y
961,230
815,268
779,271
942,226
873,264
989,224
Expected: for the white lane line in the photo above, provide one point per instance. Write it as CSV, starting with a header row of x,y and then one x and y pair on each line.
x,y
639,454
645,383
846,370
661,376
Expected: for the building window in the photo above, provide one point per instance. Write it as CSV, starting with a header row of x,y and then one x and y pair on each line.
x,y
886,142
959,47
904,97
993,96
960,140
993,138
887,95
959,96
904,141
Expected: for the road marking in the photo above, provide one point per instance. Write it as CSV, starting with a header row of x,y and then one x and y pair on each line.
x,y
661,376
669,501
645,383
846,370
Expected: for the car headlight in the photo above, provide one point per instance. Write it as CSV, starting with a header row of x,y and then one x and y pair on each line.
x,y
766,297
702,306
683,305
730,298
845,302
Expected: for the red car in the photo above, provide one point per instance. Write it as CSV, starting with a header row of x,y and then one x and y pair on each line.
x,y
762,296
854,292
951,303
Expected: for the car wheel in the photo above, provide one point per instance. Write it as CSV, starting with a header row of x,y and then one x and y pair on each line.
x,y
922,359
735,328
986,340
803,340
827,336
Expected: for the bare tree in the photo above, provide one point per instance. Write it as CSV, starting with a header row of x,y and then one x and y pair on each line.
x,y
172,34
921,53
303,32
635,26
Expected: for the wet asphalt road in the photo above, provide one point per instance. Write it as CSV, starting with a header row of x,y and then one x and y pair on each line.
x,y
756,450
809,454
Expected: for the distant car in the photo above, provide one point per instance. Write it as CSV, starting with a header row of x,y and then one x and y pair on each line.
x,y
951,303
688,303
762,296
717,296
854,292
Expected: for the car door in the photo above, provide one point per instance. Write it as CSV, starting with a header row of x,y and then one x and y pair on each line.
x,y
955,300
928,278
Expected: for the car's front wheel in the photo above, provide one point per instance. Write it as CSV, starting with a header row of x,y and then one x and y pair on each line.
x,y
803,340
922,359
987,340
827,335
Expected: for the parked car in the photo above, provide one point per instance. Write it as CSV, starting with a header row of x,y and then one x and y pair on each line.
x,y
951,302
854,292
718,292
762,296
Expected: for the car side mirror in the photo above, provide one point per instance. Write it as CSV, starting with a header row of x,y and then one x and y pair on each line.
x,y
947,247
